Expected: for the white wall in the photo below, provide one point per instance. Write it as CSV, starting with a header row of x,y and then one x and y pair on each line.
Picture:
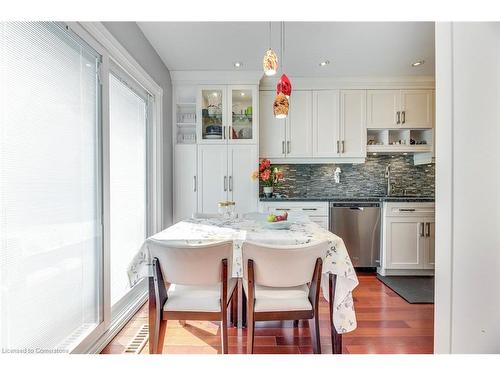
x,y
467,188
131,37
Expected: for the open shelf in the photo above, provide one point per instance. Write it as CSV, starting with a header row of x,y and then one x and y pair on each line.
x,y
399,140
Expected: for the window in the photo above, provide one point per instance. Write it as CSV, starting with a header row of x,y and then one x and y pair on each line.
x,y
128,123
51,252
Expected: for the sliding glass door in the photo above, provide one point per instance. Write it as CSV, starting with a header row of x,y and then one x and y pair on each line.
x,y
128,115
51,230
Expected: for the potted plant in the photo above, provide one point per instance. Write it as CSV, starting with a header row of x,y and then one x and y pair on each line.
x,y
269,176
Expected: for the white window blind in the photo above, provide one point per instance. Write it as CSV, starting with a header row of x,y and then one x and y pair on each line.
x,y
50,200
128,124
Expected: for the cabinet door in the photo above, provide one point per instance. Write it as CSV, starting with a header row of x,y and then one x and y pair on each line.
x,y
325,130
185,182
212,177
243,160
271,129
299,128
211,123
404,243
382,108
242,108
417,108
429,255
353,123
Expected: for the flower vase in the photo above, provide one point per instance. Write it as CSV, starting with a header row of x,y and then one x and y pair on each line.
x,y
268,191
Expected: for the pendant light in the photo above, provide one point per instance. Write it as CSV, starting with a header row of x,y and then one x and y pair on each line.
x,y
284,87
270,61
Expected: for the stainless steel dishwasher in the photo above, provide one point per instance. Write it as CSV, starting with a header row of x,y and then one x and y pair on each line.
x,y
358,224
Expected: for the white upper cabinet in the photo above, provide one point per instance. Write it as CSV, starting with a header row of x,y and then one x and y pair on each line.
x,y
417,108
272,130
353,123
185,182
213,179
398,109
326,127
382,108
243,126
212,123
299,125
241,188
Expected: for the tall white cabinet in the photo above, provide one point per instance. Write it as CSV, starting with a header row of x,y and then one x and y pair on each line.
x,y
217,166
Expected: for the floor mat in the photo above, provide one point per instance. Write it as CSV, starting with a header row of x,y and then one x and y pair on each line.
x,y
414,289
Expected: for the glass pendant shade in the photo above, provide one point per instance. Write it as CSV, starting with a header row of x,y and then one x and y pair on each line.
x,y
280,106
270,63
284,86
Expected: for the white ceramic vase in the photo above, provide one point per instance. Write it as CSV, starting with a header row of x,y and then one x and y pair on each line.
x,y
268,191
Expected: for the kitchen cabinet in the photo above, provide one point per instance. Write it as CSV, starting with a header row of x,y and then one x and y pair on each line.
x,y
299,125
408,239
316,211
407,109
185,182
326,123
272,130
353,123
224,173
227,114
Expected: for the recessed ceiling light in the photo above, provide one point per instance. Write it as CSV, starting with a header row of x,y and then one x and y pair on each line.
x,y
238,64
418,63
324,63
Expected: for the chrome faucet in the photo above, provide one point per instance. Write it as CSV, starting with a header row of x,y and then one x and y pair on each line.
x,y
388,177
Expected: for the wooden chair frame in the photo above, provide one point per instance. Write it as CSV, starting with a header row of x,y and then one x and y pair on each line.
x,y
312,315
336,337
158,318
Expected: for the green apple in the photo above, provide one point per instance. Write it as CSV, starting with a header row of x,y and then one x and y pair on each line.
x,y
271,218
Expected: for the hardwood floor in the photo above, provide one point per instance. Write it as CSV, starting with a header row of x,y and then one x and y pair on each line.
x,y
387,324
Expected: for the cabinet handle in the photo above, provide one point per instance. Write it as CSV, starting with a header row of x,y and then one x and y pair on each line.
x,y
194,183
338,147
428,229
225,183
403,117
309,209
343,143
398,117
230,183
282,209
288,147
406,210
421,229
282,147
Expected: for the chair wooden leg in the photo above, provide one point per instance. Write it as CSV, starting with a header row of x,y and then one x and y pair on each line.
x,y
295,323
336,337
161,336
224,332
315,336
234,308
243,309
336,342
250,332
154,327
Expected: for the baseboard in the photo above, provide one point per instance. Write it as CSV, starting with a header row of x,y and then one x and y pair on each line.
x,y
391,272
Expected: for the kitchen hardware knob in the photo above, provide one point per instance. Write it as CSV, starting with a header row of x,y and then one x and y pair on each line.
x,y
403,117
421,229
398,117
428,229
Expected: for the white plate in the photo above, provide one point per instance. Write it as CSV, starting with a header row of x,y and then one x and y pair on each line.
x,y
208,136
277,225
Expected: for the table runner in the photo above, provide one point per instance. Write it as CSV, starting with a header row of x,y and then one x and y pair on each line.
x,y
301,231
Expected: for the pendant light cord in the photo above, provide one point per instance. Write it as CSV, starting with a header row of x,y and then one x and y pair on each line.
x,y
282,46
270,33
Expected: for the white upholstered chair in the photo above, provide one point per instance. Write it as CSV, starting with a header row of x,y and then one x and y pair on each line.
x,y
283,283
190,282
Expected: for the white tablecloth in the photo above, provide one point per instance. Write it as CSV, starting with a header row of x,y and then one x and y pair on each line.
x,y
301,231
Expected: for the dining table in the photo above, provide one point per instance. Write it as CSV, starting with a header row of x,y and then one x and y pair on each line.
x,y
253,227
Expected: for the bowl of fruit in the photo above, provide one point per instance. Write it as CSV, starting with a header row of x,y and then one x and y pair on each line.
x,y
277,221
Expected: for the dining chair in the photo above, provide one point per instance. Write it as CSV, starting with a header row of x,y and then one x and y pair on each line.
x,y
283,283
189,282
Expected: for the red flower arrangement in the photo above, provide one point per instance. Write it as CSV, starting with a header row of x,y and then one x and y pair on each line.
x,y
269,176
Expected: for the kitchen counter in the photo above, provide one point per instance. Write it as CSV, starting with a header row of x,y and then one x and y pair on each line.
x,y
351,199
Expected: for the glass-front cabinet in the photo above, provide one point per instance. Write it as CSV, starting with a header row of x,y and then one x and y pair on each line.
x,y
226,114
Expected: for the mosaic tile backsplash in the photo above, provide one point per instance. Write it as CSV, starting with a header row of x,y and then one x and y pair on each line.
x,y
316,180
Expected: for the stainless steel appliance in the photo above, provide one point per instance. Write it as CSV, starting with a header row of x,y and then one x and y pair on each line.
x,y
358,224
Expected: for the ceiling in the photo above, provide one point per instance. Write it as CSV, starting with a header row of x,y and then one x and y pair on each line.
x,y
353,48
